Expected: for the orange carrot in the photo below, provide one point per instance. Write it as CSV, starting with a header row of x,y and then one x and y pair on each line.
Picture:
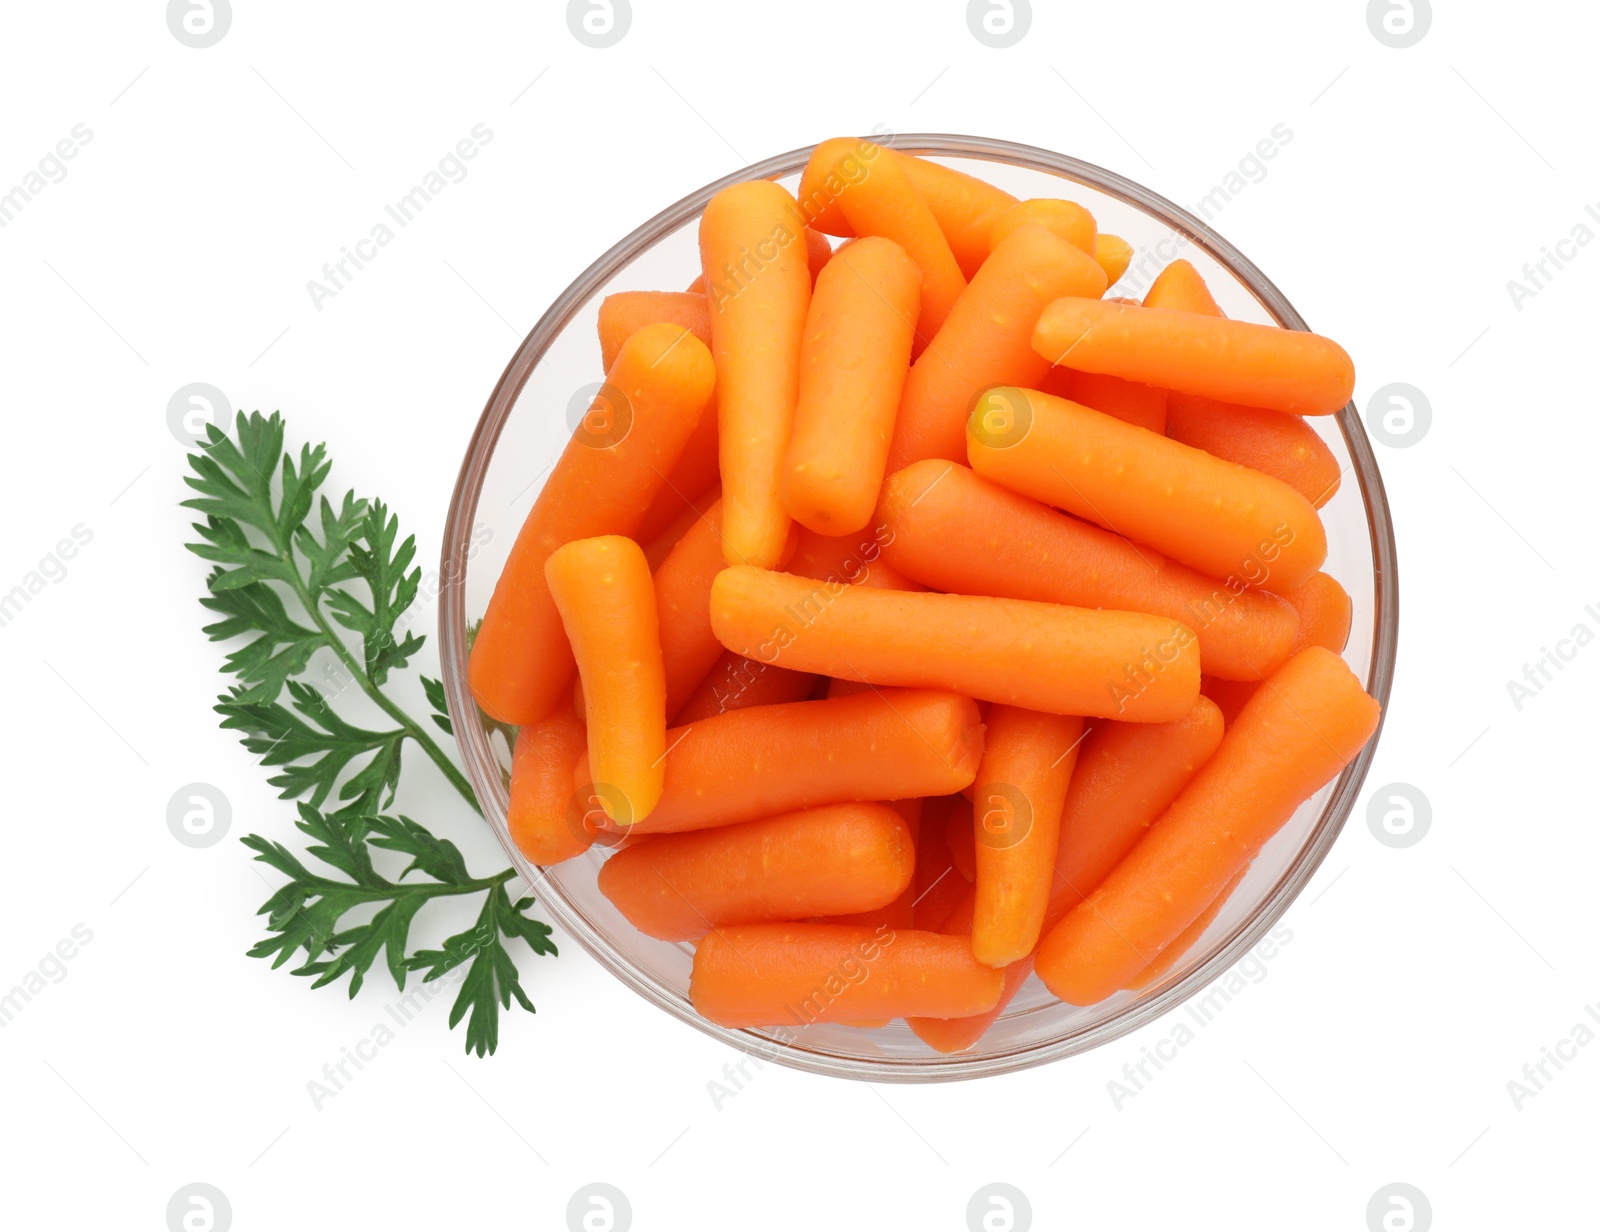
x,y
1292,738
886,203
1068,221
818,253
625,313
851,560
541,788
1181,288
737,683
1324,608
683,607
757,975
987,340
833,164
695,473
958,831
887,745
1127,775
1144,406
1229,695
938,883
954,531
901,912
853,363
1186,940
950,1035
1231,361
759,287
1215,516
822,861
603,590
1061,660
1283,446
1028,760
1114,254
658,548
606,479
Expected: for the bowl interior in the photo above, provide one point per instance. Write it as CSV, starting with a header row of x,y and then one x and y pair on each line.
x,y
523,430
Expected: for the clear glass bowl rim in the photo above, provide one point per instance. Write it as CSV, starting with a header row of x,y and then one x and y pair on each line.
x,y
485,775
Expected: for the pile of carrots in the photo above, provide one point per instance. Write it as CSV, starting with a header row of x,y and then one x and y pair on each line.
x,y
909,617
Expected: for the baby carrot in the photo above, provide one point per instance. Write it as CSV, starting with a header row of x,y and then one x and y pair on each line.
x,y
958,830
818,253
1185,940
541,787
1067,220
822,861
939,883
1061,660
625,313
658,548
759,287
603,590
853,560
1228,695
696,472
757,975
853,364
1114,254
1180,288
1232,361
1324,608
683,607
965,206
737,683
954,531
1283,446
949,1035
603,484
1144,406
1022,780
1220,518
1127,775
884,202
1292,737
986,340
890,744
900,912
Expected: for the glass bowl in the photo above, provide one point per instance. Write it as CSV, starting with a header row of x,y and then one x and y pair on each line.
x,y
523,430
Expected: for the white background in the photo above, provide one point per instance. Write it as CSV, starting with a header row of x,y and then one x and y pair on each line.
x,y
1418,982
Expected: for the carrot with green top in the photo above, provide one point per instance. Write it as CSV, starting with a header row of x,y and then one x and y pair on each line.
x,y
1028,760
606,480
1232,361
1067,220
625,313
890,744
1114,254
1127,775
1291,739
759,288
1220,518
822,861
1060,660
603,590
853,364
987,340
885,203
954,531
764,975
737,683
541,788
